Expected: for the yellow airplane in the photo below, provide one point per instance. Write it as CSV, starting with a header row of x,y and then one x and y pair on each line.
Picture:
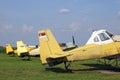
x,y
22,49
10,50
101,44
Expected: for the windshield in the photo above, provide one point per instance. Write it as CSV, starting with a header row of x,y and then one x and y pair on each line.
x,y
103,36
110,34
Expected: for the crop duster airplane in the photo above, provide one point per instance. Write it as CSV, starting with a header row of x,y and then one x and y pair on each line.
x,y
22,49
101,44
10,50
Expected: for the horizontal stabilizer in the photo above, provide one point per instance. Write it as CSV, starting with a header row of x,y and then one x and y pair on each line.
x,y
59,55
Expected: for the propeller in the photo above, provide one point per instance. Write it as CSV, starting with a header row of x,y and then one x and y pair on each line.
x,y
73,40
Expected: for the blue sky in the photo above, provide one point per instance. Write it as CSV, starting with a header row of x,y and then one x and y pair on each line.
x,y
22,19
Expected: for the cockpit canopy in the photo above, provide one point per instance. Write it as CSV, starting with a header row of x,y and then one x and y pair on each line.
x,y
100,37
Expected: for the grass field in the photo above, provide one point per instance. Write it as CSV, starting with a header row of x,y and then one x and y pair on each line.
x,y
14,68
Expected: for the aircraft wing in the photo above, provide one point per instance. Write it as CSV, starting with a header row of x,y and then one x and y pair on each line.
x,y
59,55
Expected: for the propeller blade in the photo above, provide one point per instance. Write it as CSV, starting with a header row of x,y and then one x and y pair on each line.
x,y
73,40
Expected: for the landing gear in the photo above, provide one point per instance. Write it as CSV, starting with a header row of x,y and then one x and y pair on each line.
x,y
67,66
29,57
26,56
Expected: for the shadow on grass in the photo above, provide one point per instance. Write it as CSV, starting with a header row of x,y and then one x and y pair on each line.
x,y
58,70
101,67
25,59
92,67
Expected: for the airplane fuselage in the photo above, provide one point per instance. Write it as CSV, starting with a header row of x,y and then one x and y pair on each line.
x,y
93,51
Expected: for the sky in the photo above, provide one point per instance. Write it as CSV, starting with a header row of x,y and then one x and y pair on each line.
x,y
22,19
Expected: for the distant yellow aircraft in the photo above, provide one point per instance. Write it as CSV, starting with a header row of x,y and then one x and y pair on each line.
x,y
22,49
10,50
101,44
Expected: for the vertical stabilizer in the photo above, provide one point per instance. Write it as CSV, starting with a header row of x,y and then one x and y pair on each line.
x,y
9,49
48,45
21,49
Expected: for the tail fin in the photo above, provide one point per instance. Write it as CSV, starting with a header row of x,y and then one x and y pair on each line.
x,y
21,49
9,49
48,46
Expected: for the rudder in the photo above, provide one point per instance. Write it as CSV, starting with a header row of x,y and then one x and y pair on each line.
x,y
9,49
21,49
48,45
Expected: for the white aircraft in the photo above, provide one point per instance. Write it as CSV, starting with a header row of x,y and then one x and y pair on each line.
x,y
35,52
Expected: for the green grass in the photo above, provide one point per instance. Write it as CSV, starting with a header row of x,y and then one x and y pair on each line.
x,y
14,68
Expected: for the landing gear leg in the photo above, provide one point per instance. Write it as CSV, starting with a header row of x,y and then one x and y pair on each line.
x,y
67,66
28,57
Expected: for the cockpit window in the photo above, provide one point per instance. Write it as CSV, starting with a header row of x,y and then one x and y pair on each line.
x,y
103,36
96,39
110,34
